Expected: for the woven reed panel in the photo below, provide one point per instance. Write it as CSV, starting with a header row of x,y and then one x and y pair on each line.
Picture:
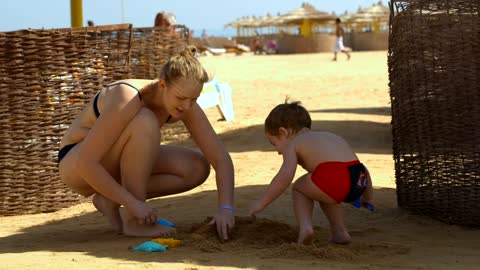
x,y
434,70
151,47
46,77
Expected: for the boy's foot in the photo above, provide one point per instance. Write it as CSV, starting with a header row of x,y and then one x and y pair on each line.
x,y
348,57
305,236
110,210
132,228
369,206
340,238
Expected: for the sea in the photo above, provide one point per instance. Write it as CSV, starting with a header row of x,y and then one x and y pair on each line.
x,y
222,32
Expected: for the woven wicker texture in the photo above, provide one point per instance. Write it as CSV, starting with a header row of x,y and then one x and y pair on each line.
x,y
46,78
434,66
151,47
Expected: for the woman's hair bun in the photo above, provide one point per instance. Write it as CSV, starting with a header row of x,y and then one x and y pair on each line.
x,y
189,51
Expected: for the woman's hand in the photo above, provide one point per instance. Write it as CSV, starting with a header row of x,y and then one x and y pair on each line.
x,y
143,212
224,221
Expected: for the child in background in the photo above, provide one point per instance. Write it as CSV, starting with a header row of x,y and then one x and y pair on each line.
x,y
334,175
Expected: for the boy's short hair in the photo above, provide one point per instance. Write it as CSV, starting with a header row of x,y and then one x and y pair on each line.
x,y
289,115
337,20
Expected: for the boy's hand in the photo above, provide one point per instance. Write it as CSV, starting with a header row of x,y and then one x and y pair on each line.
x,y
256,208
143,212
224,221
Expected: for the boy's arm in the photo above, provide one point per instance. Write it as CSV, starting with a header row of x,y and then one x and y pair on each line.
x,y
281,181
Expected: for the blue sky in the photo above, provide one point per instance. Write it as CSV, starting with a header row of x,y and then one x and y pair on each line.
x,y
195,14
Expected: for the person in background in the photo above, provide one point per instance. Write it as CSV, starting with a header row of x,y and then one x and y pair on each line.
x,y
339,47
165,20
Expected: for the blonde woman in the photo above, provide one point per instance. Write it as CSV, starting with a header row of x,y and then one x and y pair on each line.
x,y
112,149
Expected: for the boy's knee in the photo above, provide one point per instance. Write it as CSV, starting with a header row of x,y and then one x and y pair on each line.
x,y
297,185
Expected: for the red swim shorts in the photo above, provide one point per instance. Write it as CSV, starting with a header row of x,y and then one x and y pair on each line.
x,y
342,181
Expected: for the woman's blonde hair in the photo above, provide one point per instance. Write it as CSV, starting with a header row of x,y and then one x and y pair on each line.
x,y
184,65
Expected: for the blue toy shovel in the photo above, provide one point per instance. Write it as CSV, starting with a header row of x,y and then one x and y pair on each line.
x,y
358,204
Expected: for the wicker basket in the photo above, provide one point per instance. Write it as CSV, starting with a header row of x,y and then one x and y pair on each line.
x,y
434,70
46,77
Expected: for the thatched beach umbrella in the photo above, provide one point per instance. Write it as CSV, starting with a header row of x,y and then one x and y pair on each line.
x,y
374,15
270,20
377,11
269,23
306,16
243,25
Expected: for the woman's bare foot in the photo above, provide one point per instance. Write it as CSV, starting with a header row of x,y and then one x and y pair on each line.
x,y
110,210
305,236
340,237
132,228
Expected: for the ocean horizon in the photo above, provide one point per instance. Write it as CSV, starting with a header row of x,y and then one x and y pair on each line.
x,y
220,32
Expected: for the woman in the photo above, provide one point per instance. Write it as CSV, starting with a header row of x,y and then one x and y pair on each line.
x,y
112,149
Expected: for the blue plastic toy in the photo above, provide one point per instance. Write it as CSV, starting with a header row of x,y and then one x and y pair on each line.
x,y
358,204
150,246
165,222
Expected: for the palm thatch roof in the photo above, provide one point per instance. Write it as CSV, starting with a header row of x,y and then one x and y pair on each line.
x,y
375,12
306,12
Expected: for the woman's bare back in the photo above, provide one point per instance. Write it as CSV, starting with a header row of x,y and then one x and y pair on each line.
x,y
84,121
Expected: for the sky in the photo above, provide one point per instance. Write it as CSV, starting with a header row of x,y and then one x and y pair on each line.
x,y
195,14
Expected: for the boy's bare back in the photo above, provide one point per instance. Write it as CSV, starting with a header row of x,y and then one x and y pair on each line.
x,y
315,147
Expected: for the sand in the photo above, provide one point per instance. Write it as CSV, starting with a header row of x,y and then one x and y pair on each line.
x,y
348,98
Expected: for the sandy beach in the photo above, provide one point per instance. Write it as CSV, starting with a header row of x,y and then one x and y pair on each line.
x,y
350,98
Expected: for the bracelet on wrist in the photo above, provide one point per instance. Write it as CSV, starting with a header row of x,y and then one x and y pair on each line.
x,y
227,207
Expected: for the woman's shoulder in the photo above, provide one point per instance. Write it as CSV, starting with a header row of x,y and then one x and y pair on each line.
x,y
135,83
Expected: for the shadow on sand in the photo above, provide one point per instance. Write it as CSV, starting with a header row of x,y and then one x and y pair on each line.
x,y
266,237
363,136
371,110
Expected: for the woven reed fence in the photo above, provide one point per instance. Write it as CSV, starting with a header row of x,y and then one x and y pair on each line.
x,y
46,77
151,47
434,69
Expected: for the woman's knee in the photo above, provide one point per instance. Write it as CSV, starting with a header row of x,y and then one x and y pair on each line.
x,y
199,169
144,122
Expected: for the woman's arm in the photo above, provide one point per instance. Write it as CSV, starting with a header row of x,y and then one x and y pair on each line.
x,y
207,140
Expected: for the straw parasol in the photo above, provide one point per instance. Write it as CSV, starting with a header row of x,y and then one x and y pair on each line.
x,y
270,20
377,12
372,17
306,12
244,25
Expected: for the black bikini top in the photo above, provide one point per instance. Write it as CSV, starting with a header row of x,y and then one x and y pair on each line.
x,y
95,100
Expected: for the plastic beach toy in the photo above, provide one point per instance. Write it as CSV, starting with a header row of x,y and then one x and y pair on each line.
x,y
169,242
359,204
150,246
165,222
